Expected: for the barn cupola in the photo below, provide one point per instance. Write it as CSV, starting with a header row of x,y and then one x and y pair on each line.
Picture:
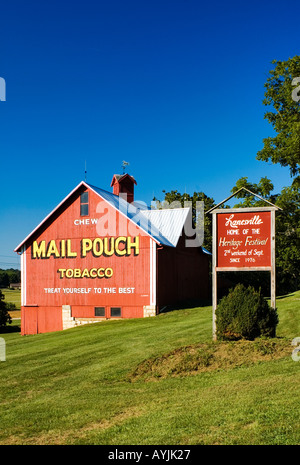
x,y
123,185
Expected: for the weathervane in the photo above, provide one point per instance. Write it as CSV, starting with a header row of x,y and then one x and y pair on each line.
x,y
124,164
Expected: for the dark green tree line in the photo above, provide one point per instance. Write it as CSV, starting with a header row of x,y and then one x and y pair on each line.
x,y
9,276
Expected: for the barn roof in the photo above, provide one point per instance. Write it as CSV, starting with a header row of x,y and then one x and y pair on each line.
x,y
164,226
120,177
169,222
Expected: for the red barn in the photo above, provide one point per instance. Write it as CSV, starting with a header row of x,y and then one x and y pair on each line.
x,y
97,256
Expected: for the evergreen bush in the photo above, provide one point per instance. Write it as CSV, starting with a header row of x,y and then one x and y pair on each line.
x,y
245,314
4,308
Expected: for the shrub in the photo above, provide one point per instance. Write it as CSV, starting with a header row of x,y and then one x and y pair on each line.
x,y
4,308
245,314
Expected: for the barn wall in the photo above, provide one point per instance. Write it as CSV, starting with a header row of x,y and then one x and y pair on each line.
x,y
57,276
48,288
182,274
40,319
87,311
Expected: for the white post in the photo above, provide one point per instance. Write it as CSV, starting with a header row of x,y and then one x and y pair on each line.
x,y
2,350
273,265
214,275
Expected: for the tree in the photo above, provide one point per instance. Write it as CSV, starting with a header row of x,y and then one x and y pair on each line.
x,y
263,189
288,238
4,315
14,276
4,279
284,97
8,276
244,313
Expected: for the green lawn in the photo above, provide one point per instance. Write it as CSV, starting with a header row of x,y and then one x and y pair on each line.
x,y
77,386
12,296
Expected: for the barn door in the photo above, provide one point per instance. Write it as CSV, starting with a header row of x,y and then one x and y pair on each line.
x,y
30,320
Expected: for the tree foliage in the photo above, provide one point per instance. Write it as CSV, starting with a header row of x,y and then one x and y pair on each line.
x,y
288,239
284,115
4,308
244,313
263,189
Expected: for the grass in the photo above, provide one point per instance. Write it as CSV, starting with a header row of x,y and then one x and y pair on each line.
x,y
196,358
151,381
13,296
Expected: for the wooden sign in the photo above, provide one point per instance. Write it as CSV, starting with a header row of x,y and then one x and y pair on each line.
x,y
243,239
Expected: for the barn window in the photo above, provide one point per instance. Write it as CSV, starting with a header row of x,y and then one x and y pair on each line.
x,y
115,311
84,204
99,311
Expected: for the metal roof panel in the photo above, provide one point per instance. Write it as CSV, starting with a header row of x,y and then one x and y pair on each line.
x,y
169,222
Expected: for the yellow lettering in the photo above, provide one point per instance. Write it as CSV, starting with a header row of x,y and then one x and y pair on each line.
x,y
101,273
117,242
70,254
112,243
98,247
85,273
108,272
63,248
62,272
86,246
93,273
133,244
107,246
69,273
39,250
52,249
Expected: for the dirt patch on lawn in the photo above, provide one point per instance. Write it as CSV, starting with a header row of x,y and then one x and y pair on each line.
x,y
15,314
196,358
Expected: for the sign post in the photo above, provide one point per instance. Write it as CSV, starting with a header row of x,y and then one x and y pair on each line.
x,y
243,240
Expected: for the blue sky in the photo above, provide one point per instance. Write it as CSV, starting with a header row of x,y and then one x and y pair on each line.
x,y
173,87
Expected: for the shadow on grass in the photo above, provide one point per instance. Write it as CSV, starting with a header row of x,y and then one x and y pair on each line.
x,y
12,328
192,303
284,296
